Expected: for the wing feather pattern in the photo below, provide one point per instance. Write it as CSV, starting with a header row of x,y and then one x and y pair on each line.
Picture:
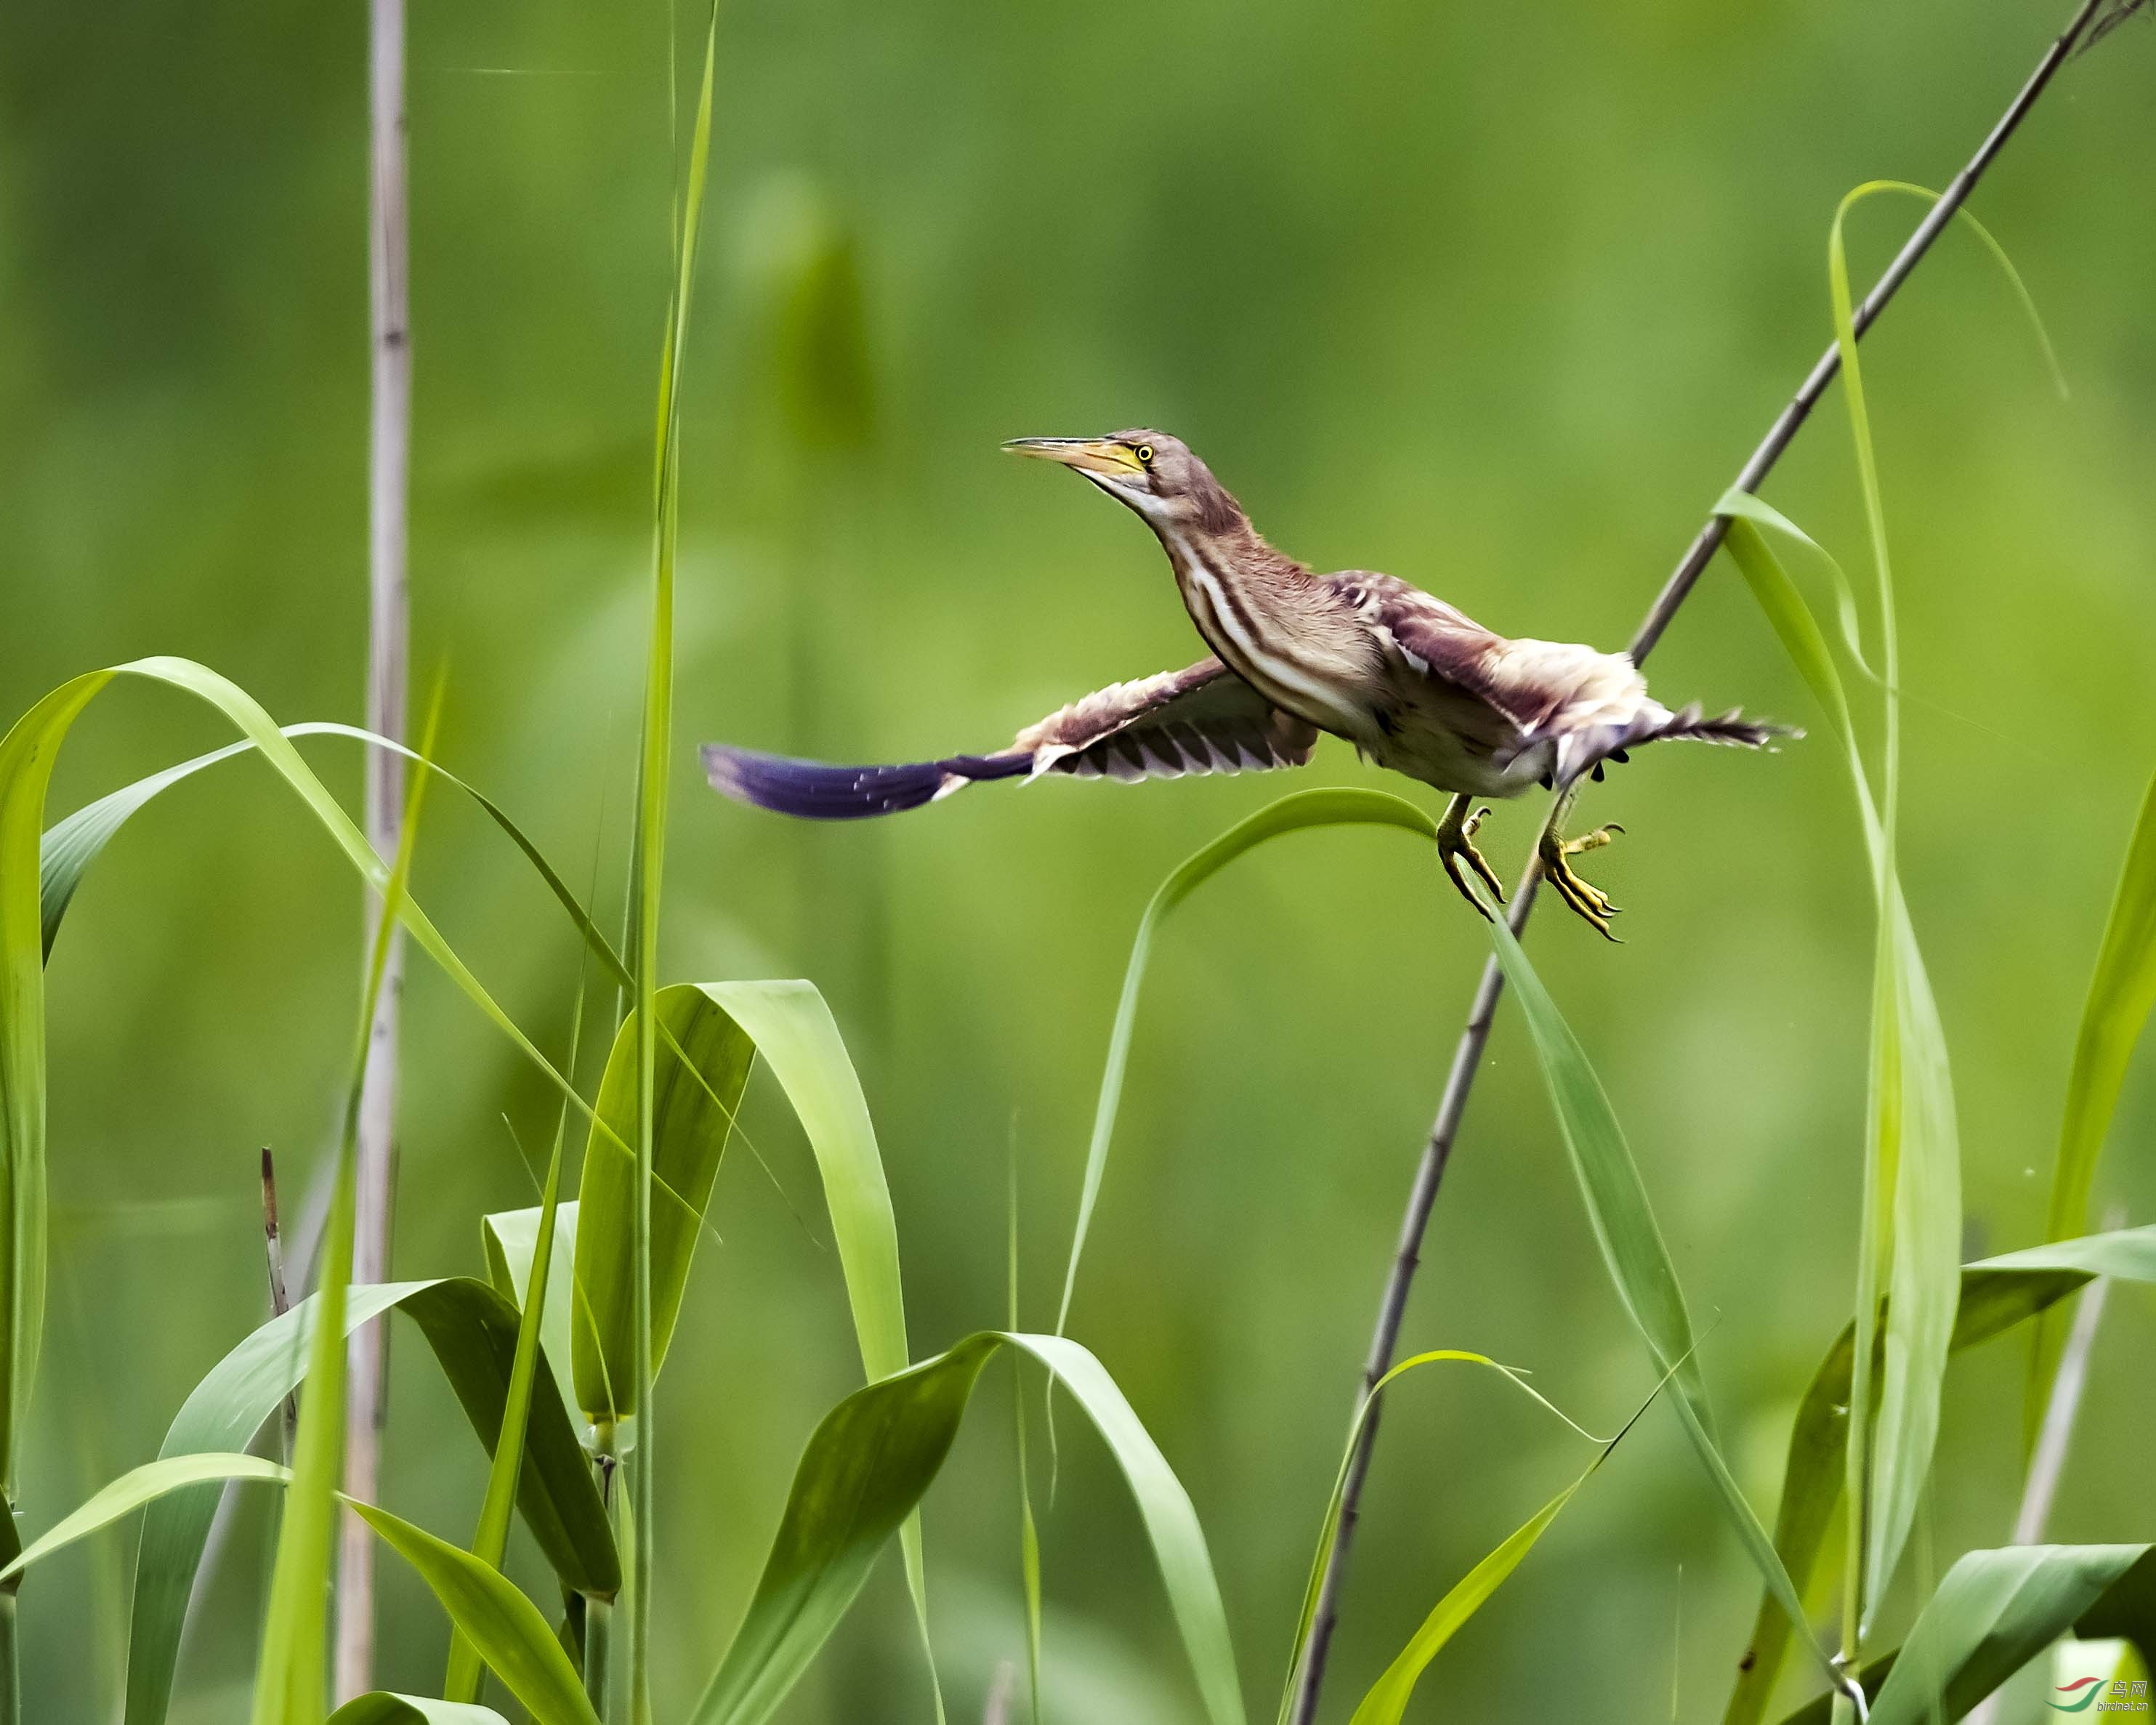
x,y
1200,719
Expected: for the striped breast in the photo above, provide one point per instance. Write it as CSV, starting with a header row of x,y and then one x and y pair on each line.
x,y
1311,665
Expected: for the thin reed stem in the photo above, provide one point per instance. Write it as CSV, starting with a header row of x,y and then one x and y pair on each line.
x,y
389,664
1467,1056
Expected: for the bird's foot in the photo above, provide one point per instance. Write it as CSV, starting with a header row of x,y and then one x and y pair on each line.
x,y
1455,849
1583,896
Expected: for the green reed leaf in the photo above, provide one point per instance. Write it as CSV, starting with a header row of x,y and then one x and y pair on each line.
x,y
1388,1698
1994,1612
487,1608
490,1541
1329,1527
1995,1294
866,1469
2120,996
27,754
137,1488
382,1707
1633,1248
472,1330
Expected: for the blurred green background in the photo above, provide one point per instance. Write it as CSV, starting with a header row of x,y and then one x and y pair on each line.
x,y
1492,298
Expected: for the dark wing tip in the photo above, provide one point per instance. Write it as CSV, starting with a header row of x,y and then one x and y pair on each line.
x,y
814,790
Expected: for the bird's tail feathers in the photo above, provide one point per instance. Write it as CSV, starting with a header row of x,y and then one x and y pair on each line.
x,y
1585,751
814,790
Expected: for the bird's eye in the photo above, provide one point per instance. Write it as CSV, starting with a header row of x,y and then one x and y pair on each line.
x,y
1145,455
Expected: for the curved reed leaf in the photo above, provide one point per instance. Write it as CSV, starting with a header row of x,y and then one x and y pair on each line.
x,y
488,1609
490,1540
1326,1528
382,1707
2120,996
1912,1203
1994,1612
508,1238
471,1329
1291,813
1996,1294
504,1625
1388,1696
71,846
1634,1250
27,754
138,1487
695,1099
864,1469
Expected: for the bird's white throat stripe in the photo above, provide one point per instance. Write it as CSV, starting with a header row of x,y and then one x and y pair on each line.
x,y
1234,635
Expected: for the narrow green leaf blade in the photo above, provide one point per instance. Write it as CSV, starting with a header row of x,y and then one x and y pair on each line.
x,y
866,1469
511,1635
697,1090
383,1708
1633,1248
135,1489
471,1329
2120,996
1388,1699
1996,1294
1994,1612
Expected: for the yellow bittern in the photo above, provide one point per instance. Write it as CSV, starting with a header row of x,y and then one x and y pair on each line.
x,y
1411,682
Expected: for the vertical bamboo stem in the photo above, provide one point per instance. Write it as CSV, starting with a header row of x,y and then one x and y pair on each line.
x,y
389,482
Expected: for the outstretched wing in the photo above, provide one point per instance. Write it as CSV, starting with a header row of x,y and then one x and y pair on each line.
x,y
1536,688
1204,719
1201,719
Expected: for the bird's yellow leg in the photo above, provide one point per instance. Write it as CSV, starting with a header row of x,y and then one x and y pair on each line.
x,y
1586,899
1455,849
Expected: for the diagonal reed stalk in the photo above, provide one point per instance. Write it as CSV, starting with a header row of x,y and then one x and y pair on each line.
x,y
388,669
1467,1056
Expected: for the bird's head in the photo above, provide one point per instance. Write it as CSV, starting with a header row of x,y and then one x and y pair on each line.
x,y
1148,471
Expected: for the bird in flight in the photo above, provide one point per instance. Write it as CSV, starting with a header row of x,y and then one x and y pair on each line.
x,y
1412,683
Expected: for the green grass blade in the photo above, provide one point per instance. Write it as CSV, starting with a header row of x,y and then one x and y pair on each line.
x,y
71,846
1292,813
647,864
2120,995
382,1707
1994,1612
491,1539
1388,1699
1633,1249
471,1329
1996,1294
516,1641
866,1469
1320,1558
1912,1202
724,1027
137,1488
27,754
798,1039
508,1238
1029,1533
695,1099
290,1678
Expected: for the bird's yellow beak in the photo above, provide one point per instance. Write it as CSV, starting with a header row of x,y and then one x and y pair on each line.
x,y
1098,455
